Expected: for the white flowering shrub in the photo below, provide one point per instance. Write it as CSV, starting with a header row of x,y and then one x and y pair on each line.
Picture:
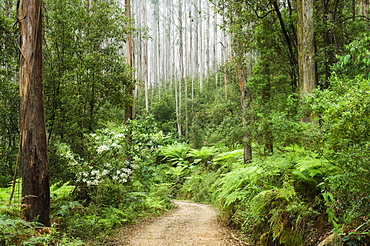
x,y
117,153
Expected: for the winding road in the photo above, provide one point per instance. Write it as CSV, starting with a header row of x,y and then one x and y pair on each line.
x,y
189,224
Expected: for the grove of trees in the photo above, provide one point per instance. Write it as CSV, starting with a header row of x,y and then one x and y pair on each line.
x,y
260,107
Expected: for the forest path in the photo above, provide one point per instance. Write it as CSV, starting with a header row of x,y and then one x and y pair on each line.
x,y
189,224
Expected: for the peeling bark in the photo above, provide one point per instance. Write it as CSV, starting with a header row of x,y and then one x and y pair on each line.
x,y
33,139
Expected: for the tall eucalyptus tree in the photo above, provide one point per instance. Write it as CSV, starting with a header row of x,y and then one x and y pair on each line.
x,y
306,47
32,139
129,56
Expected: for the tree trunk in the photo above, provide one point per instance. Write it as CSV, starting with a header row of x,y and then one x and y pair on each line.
x,y
365,6
306,48
181,66
246,98
33,142
129,56
146,58
200,42
267,131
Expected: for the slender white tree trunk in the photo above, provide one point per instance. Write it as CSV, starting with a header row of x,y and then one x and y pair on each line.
x,y
146,58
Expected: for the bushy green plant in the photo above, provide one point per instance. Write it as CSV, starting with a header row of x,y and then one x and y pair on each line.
x,y
274,196
356,61
175,154
111,156
197,186
343,138
13,229
204,155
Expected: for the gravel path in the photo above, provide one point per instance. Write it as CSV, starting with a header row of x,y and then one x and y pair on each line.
x,y
189,224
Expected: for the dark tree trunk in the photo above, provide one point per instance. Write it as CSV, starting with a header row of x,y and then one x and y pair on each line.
x,y
33,143
290,41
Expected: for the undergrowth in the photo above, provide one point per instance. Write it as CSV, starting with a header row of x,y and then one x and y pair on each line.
x,y
116,184
276,200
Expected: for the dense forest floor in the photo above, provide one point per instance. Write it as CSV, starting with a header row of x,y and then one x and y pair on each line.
x,y
189,224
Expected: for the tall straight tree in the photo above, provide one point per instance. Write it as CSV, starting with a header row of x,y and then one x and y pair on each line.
x,y
246,99
306,47
33,143
146,59
129,57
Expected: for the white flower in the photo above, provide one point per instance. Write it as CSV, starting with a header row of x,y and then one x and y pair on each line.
x,y
94,172
115,145
102,148
73,162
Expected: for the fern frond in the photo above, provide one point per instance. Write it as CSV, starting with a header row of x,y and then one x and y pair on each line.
x,y
204,153
236,154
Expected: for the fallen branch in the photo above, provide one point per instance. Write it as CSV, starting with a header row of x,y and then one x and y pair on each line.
x,y
239,240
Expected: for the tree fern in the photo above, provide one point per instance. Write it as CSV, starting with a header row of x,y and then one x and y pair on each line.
x,y
176,153
204,155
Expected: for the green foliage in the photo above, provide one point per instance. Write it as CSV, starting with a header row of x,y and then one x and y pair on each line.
x,y
163,111
175,154
111,156
227,161
8,95
356,60
218,121
197,186
343,138
204,155
85,72
13,229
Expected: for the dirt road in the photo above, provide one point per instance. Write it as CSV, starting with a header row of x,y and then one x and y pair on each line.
x,y
189,224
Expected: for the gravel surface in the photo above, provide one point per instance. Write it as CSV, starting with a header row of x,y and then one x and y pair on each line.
x,y
189,224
